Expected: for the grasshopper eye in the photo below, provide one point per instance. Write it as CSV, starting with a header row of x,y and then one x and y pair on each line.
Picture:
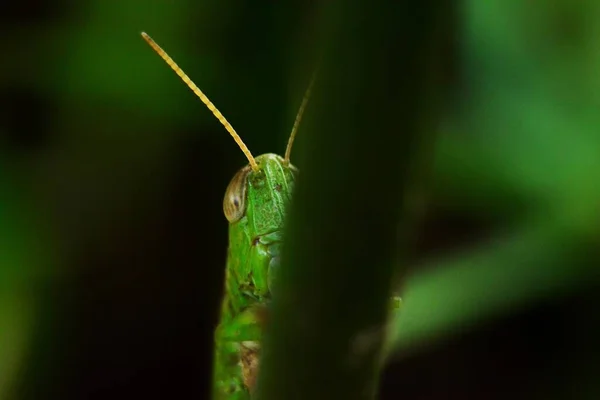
x,y
234,203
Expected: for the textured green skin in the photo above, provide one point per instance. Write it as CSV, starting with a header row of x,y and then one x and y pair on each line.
x,y
253,254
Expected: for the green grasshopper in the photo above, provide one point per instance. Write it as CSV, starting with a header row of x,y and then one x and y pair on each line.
x,y
255,205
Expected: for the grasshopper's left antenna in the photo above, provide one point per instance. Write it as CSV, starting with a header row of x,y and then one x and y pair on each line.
x,y
288,149
163,54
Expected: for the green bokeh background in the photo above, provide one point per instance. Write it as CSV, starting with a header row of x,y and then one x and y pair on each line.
x,y
112,175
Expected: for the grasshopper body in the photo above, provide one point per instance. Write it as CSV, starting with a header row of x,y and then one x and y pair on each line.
x,y
255,204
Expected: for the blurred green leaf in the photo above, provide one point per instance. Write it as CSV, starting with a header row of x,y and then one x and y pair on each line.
x,y
539,261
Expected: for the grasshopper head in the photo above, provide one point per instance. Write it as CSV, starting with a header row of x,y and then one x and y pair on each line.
x,y
263,195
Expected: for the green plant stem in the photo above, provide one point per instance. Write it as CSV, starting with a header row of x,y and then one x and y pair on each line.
x,y
362,134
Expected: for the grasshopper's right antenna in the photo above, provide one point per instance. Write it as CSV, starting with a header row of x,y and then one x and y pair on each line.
x,y
163,54
288,150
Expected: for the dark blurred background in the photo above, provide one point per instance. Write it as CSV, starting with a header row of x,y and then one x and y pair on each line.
x,y
112,174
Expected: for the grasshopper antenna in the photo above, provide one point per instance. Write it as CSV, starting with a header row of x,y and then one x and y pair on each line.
x,y
288,149
163,54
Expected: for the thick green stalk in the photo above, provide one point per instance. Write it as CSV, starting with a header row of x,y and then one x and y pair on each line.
x,y
361,137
